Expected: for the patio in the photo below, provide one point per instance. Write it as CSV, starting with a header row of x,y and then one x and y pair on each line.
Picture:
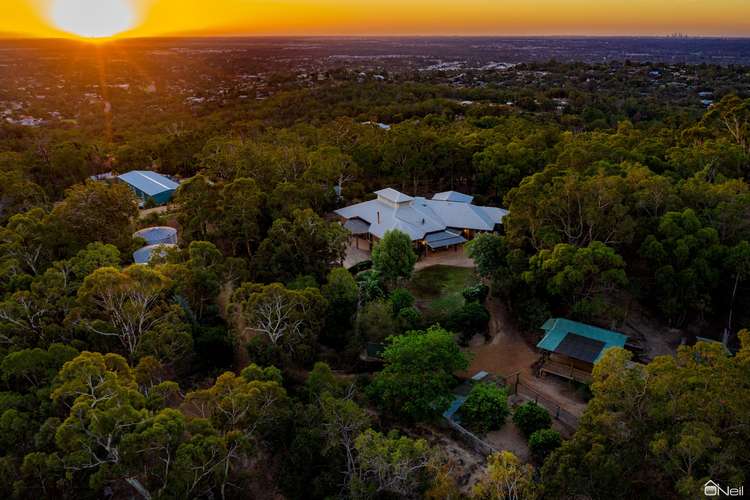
x,y
359,251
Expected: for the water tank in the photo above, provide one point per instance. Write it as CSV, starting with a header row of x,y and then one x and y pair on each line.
x,y
144,255
158,235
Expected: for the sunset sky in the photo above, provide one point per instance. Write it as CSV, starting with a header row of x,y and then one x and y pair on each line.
x,y
401,17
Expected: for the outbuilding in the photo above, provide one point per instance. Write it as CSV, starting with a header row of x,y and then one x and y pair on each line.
x,y
150,186
571,349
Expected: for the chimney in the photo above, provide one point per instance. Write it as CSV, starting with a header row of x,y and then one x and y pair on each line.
x,y
378,216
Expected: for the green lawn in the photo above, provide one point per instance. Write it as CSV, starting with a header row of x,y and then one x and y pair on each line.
x,y
437,289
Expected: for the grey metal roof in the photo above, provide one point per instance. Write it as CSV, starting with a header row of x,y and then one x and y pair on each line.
x,y
419,216
465,215
581,348
357,226
149,182
391,194
440,235
453,196
443,239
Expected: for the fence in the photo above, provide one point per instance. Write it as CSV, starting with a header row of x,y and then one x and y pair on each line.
x,y
517,387
472,439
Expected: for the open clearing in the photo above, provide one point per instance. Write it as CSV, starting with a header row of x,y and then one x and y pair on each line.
x,y
437,289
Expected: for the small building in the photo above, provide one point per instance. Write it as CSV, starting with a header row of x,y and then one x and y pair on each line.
x,y
150,186
157,235
571,349
446,220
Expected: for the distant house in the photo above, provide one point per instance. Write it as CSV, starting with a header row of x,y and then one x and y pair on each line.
x,y
150,186
571,349
446,220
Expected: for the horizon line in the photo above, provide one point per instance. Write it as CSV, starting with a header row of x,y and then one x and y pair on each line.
x,y
73,38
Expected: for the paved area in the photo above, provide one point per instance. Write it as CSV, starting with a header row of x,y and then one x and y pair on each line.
x,y
455,257
452,257
356,255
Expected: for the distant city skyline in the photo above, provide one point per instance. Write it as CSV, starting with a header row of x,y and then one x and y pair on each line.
x,y
51,18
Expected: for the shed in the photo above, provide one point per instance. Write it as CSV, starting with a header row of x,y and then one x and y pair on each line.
x,y
572,348
149,185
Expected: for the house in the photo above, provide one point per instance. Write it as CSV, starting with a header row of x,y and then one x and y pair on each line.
x,y
571,349
446,220
150,186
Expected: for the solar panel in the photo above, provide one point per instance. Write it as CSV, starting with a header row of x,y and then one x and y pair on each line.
x,y
581,348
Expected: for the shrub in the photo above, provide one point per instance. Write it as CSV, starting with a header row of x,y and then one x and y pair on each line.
x,y
543,442
471,319
213,346
369,285
375,321
401,299
530,417
359,267
302,281
409,319
476,293
262,352
486,407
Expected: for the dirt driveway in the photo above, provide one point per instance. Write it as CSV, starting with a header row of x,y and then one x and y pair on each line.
x,y
508,353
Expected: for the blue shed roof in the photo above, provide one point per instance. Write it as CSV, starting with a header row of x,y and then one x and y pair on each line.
x,y
150,183
558,329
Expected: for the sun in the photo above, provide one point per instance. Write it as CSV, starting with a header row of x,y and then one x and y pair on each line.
x,y
93,18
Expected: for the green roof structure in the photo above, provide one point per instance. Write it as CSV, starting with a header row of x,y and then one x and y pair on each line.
x,y
578,340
